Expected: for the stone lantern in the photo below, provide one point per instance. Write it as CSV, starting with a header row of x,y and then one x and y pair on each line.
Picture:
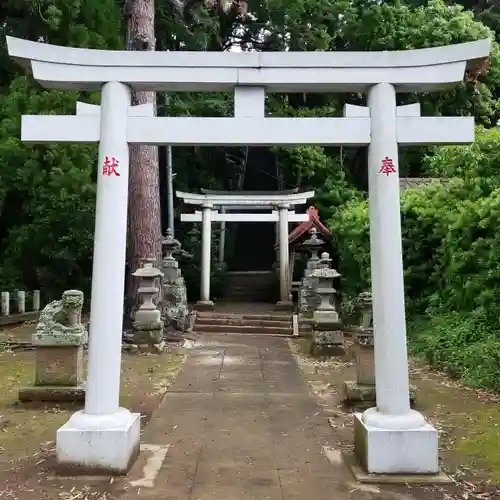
x,y
175,311
170,266
308,298
312,245
148,328
328,336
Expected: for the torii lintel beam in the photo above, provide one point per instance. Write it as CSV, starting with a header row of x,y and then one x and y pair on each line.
x,y
420,70
247,131
233,217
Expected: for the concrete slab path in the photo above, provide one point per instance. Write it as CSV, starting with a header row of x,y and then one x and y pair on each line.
x,y
240,423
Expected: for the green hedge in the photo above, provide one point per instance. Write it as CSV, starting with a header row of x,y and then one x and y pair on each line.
x,y
451,251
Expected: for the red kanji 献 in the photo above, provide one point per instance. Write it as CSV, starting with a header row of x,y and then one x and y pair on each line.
x,y
387,167
110,166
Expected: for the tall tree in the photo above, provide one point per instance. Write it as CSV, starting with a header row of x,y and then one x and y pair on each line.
x,y
144,184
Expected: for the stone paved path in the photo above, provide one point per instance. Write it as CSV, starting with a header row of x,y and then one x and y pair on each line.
x,y
241,424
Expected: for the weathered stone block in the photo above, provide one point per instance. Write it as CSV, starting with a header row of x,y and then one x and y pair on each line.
x,y
52,393
366,394
357,393
61,366
148,336
328,337
365,365
326,350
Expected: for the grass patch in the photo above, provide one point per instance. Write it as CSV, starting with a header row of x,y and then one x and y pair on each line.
x,y
144,379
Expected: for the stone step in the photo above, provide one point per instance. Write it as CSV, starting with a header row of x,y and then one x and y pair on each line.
x,y
257,297
249,274
244,288
255,330
251,317
244,322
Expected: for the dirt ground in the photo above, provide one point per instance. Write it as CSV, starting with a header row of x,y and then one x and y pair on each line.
x,y
27,430
468,422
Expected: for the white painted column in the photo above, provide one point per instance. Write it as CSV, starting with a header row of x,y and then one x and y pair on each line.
x,y
110,241
284,255
206,242
391,358
103,434
222,237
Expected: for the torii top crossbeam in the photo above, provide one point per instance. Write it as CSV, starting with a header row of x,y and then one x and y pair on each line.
x,y
420,70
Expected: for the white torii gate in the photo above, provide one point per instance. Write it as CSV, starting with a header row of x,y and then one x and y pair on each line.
x,y
390,438
222,216
207,201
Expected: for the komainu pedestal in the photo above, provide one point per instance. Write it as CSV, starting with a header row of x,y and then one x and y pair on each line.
x,y
362,391
59,339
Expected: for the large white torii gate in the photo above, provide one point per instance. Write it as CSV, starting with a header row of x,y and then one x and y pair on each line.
x,y
390,438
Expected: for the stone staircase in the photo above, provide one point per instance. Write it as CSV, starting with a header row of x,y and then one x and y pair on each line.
x,y
279,324
250,286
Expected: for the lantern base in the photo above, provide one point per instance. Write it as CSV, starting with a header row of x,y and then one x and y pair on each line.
x,y
204,305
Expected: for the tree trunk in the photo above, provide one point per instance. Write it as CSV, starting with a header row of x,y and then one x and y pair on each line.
x,y
144,183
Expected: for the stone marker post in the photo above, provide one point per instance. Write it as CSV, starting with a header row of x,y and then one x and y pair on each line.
x,y
5,303
21,302
36,300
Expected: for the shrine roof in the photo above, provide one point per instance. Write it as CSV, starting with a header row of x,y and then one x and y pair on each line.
x,y
306,226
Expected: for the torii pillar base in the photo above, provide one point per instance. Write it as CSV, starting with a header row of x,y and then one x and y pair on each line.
x,y
99,444
204,305
385,451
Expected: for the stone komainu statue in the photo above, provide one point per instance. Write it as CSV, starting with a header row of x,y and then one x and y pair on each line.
x,y
62,318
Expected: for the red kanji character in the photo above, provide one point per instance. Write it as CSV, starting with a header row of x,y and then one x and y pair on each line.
x,y
387,167
110,166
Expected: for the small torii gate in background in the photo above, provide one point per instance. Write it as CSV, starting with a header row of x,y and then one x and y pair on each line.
x,y
209,200
391,438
